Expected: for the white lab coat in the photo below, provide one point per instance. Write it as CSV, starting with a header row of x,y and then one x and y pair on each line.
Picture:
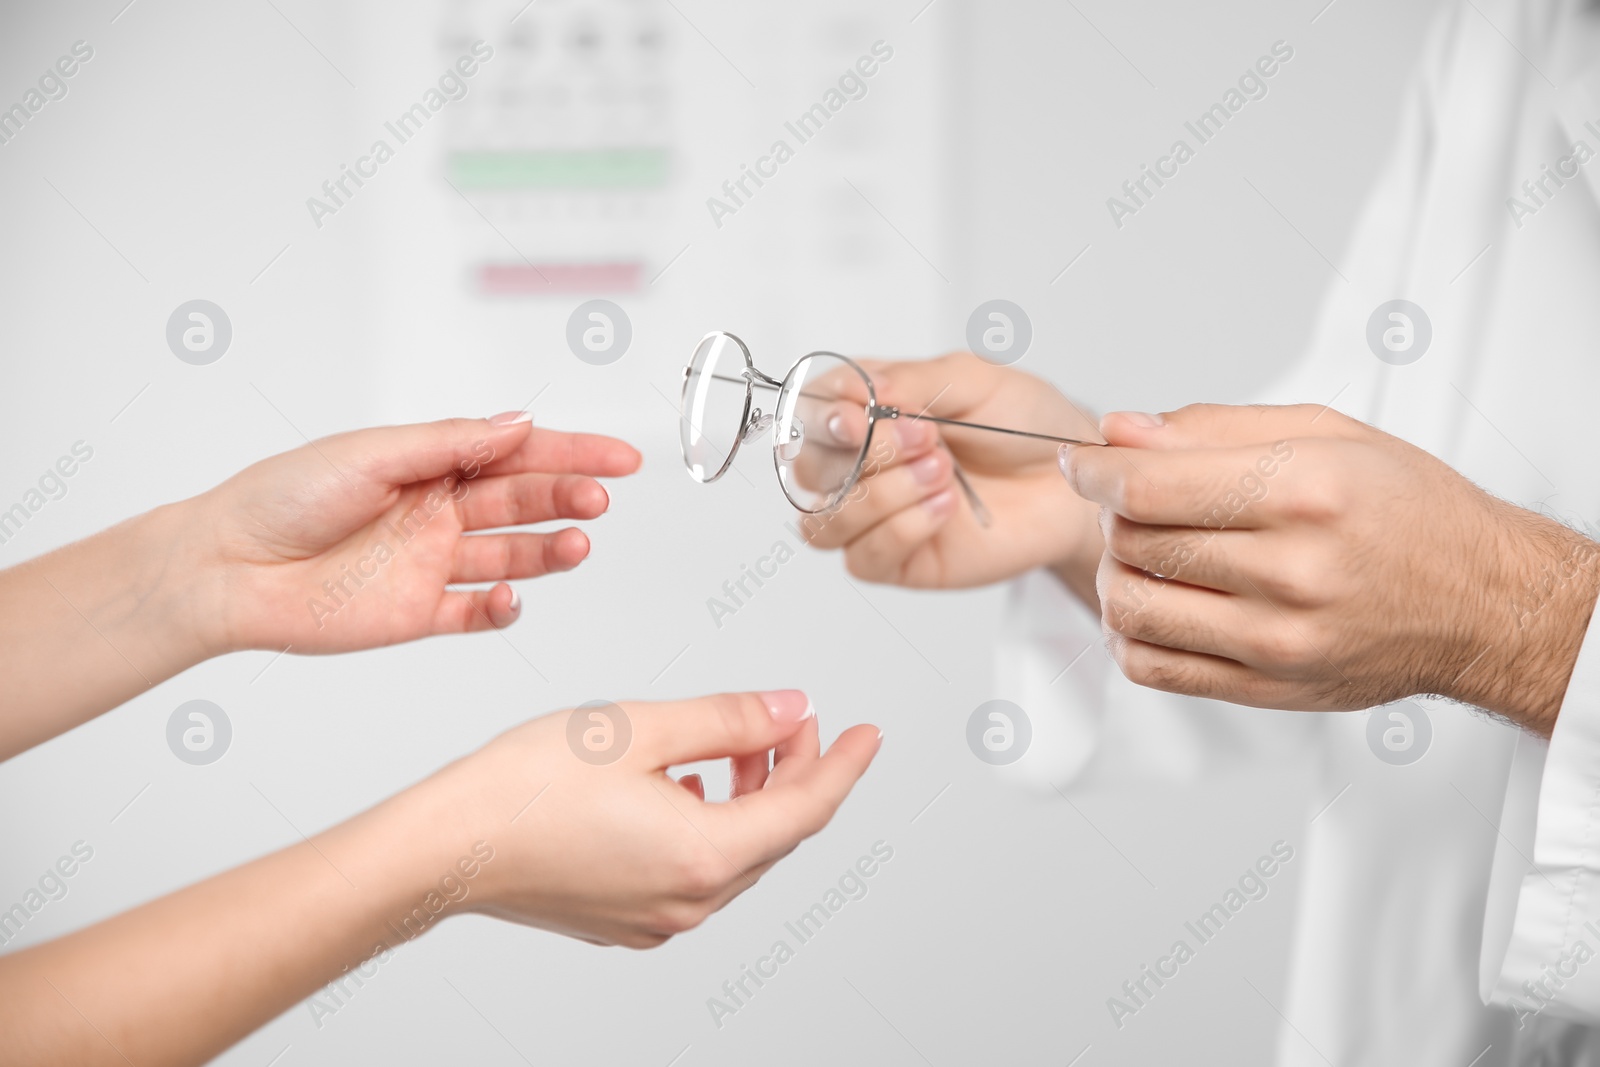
x,y
1399,939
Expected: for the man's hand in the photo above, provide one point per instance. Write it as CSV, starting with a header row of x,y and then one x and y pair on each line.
x,y
1296,558
907,522
353,541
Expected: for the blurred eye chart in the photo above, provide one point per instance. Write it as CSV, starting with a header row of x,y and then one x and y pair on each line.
x,y
649,154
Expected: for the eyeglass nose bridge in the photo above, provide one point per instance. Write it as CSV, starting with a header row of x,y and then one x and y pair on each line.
x,y
756,377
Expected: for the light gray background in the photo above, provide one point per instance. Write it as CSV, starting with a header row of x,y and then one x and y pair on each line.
x,y
981,160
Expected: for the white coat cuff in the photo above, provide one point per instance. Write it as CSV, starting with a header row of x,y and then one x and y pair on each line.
x,y
1542,920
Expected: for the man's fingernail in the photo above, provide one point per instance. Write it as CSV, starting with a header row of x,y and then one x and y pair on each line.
x,y
1142,418
506,418
787,705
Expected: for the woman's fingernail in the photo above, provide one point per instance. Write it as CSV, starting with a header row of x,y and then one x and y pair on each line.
x,y
516,601
929,469
1064,461
787,705
506,418
1142,418
941,505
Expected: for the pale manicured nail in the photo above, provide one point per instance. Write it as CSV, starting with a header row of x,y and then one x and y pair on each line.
x,y
1142,418
516,601
506,418
929,469
1064,461
787,705
941,504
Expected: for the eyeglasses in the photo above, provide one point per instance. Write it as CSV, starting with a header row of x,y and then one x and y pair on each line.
x,y
822,420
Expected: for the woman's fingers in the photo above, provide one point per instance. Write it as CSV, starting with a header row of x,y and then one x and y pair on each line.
x,y
694,784
519,499
767,825
557,452
463,611
403,455
792,756
501,557
747,773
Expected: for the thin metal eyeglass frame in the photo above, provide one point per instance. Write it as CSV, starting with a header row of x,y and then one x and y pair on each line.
x,y
751,422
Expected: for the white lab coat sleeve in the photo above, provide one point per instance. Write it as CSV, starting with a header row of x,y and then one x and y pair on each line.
x,y
1541,943
1051,662
1092,727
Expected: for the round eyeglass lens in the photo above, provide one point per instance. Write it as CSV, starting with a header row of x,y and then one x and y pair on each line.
x,y
715,397
819,435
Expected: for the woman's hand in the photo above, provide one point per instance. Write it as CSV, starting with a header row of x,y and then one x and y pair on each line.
x,y
526,829
348,543
594,840
353,541
908,523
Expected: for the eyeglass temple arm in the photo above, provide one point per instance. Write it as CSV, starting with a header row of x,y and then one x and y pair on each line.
x,y
979,510
755,377
895,413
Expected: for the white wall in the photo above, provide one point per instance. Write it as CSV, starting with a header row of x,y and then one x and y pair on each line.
x,y
187,148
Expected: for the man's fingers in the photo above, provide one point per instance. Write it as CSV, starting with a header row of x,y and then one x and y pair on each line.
x,y
716,727
880,497
1199,675
1174,615
1226,561
401,455
518,499
501,557
764,826
558,452
1224,425
1211,489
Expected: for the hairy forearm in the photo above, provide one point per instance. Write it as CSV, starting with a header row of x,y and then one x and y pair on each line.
x,y
180,979
1535,605
91,625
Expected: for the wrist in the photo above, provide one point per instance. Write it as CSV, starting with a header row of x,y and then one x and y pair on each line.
x,y
1539,590
141,589
408,871
188,590
1076,569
